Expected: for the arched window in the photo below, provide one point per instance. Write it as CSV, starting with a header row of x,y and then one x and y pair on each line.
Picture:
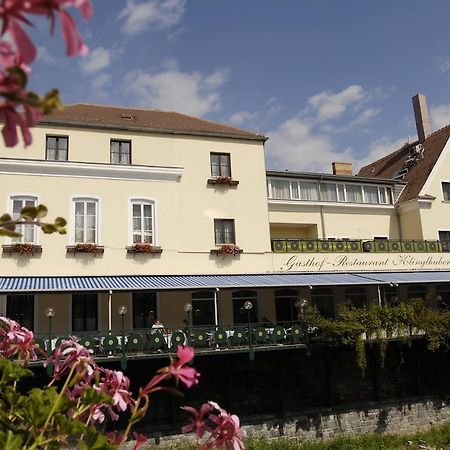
x,y
323,300
416,291
240,314
443,296
144,309
143,221
356,296
285,305
203,312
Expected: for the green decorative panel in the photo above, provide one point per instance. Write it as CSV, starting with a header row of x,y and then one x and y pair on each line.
x,y
381,245
201,339
220,337
408,246
88,342
260,335
394,246
293,245
325,246
279,246
420,246
239,336
157,340
135,342
110,342
339,246
310,246
177,339
297,332
279,333
434,246
368,246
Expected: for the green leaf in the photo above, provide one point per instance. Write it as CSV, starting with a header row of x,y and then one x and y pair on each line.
x,y
29,212
10,441
60,222
41,211
5,218
62,231
6,232
48,228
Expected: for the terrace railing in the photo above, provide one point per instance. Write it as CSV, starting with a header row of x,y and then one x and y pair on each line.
x,y
137,344
358,246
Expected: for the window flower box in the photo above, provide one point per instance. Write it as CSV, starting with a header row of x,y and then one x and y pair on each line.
x,y
85,248
142,247
24,248
223,181
227,249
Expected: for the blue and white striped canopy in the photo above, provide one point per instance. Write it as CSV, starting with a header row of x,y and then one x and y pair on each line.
x,y
168,282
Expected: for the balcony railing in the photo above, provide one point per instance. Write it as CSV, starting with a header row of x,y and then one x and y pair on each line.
x,y
137,344
358,246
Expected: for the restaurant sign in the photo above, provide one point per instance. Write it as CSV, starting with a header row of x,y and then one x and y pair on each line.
x,y
338,262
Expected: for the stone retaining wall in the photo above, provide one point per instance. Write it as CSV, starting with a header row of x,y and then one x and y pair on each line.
x,y
388,417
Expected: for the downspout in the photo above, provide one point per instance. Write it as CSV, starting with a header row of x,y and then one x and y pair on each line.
x,y
399,223
322,215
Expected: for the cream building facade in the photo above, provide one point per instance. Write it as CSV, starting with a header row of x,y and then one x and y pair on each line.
x,y
156,201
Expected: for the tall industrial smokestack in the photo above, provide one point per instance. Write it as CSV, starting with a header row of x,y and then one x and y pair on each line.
x,y
421,115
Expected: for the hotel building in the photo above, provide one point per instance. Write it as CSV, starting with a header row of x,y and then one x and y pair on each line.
x,y
176,219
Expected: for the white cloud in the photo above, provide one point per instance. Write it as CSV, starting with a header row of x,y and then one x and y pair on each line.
x,y
444,64
306,141
191,93
139,16
242,117
45,56
97,60
330,106
440,116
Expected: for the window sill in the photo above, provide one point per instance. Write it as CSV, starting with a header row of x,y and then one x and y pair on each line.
x,y
85,248
222,181
23,249
152,250
224,252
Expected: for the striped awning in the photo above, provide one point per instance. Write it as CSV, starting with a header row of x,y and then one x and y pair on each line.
x,y
173,282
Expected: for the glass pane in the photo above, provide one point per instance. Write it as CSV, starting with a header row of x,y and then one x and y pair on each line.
x,y
147,224
354,193
17,206
90,222
225,165
114,147
79,222
382,194
147,210
90,236
328,192
341,193
28,233
309,190
370,194
90,208
136,238
280,189
136,210
51,154
51,142
446,191
148,238
136,224
125,148
62,144
79,208
294,189
79,236
63,155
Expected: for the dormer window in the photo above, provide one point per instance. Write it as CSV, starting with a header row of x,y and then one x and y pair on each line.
x,y
120,152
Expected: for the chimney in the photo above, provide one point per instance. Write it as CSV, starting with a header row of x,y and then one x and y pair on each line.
x,y
421,115
342,168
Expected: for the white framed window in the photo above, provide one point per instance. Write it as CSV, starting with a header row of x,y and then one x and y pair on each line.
x,y
142,221
28,231
446,191
85,220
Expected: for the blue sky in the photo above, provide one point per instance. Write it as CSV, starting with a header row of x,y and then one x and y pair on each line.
x,y
325,80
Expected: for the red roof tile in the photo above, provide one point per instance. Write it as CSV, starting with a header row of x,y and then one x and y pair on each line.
x,y
147,120
417,175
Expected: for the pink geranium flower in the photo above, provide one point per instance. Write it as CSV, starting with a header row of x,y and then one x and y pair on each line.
x,y
69,354
16,341
187,375
215,427
140,440
116,385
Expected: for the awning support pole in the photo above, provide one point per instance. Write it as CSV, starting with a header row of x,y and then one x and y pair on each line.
x,y
110,311
216,308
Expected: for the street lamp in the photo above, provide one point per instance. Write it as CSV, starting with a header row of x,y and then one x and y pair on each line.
x,y
188,311
248,306
123,311
50,313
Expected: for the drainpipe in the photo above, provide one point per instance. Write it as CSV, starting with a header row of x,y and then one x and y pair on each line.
x,y
322,215
110,311
399,224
